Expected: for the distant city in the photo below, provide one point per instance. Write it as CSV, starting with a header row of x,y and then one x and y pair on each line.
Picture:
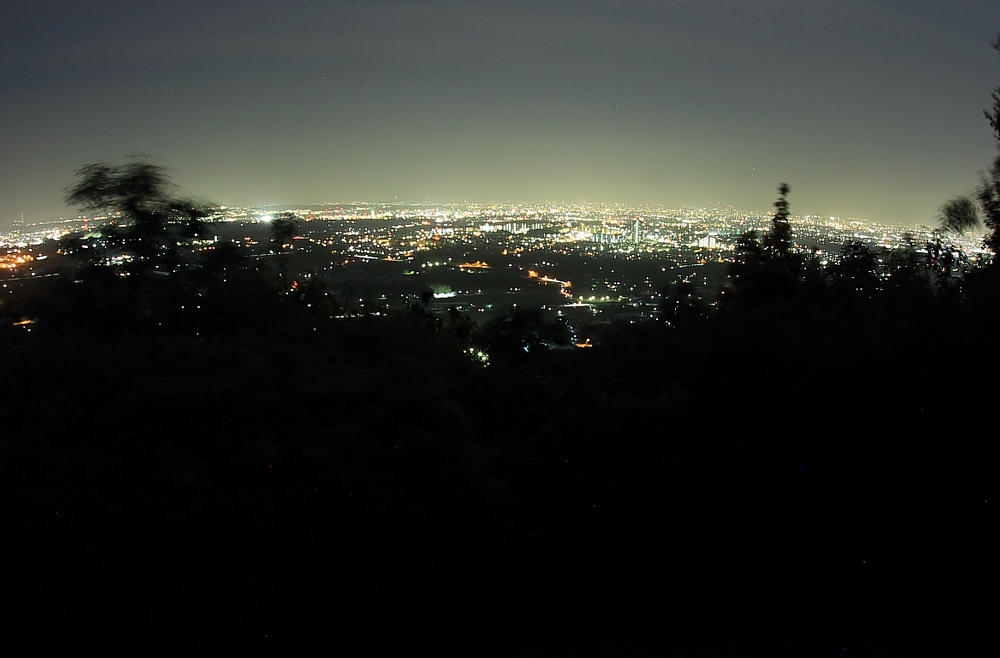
x,y
584,264
651,228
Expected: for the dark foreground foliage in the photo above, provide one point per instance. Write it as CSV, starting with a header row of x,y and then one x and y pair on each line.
x,y
795,479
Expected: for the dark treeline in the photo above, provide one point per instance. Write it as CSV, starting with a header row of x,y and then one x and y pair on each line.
x,y
200,453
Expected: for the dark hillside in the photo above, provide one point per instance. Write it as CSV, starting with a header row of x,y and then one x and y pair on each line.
x,y
367,486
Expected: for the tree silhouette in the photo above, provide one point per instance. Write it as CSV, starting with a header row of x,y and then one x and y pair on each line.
x,y
960,213
856,273
906,279
146,263
946,265
283,229
764,268
147,228
779,238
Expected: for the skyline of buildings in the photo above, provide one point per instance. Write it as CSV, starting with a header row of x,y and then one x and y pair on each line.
x,y
609,223
581,265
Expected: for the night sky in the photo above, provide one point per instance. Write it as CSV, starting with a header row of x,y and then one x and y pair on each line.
x,y
867,108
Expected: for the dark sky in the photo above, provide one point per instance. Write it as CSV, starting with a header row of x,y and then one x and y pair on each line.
x,y
867,108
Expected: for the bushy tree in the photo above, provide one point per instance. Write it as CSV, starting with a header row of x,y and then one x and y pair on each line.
x,y
961,213
147,263
147,227
856,272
